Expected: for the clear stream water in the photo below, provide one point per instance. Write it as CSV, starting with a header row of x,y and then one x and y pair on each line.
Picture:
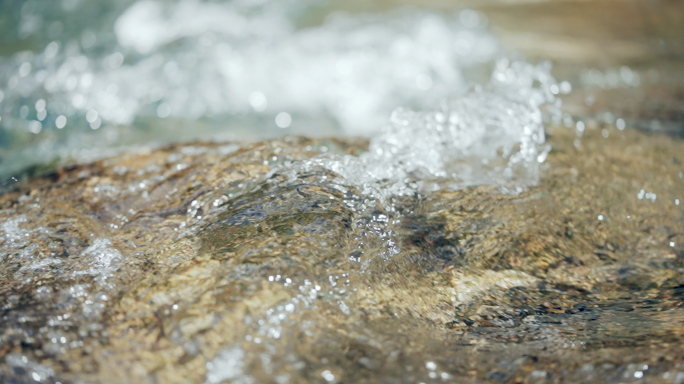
x,y
316,260
75,76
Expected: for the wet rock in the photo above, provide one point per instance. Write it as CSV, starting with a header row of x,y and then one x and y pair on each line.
x,y
215,263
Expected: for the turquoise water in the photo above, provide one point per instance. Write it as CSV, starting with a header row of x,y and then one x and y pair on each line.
x,y
501,223
81,80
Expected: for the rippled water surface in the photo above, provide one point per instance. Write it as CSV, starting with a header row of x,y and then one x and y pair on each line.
x,y
501,218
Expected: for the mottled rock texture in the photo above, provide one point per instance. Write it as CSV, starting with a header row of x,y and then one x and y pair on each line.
x,y
145,267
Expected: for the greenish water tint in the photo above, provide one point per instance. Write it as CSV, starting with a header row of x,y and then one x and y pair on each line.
x,y
499,226
79,80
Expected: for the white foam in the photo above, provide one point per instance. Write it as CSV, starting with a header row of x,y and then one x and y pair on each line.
x,y
493,135
15,236
227,365
190,59
101,259
29,368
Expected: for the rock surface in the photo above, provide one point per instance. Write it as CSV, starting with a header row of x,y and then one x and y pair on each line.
x,y
209,263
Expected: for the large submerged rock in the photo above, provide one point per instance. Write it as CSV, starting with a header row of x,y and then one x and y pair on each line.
x,y
211,263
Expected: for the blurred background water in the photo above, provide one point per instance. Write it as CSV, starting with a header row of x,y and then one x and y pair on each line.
x,y
79,79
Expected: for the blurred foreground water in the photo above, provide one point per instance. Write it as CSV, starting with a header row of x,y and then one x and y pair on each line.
x,y
500,220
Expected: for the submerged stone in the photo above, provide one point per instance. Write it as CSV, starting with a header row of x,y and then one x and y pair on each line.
x,y
219,263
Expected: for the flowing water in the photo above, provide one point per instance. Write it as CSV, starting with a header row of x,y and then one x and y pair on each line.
x,y
499,220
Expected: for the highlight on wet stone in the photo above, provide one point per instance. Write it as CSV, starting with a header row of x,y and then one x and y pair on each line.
x,y
478,231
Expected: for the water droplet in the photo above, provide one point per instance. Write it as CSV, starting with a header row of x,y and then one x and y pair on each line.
x,y
258,101
25,69
283,120
60,121
35,126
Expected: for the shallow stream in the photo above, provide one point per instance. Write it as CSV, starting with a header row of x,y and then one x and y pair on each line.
x,y
272,192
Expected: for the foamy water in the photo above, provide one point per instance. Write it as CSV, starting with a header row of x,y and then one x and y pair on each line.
x,y
192,59
236,64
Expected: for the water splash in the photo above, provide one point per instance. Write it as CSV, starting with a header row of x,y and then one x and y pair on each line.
x,y
101,259
228,365
223,62
493,135
498,128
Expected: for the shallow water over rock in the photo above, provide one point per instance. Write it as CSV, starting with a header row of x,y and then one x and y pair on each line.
x,y
198,262
498,236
